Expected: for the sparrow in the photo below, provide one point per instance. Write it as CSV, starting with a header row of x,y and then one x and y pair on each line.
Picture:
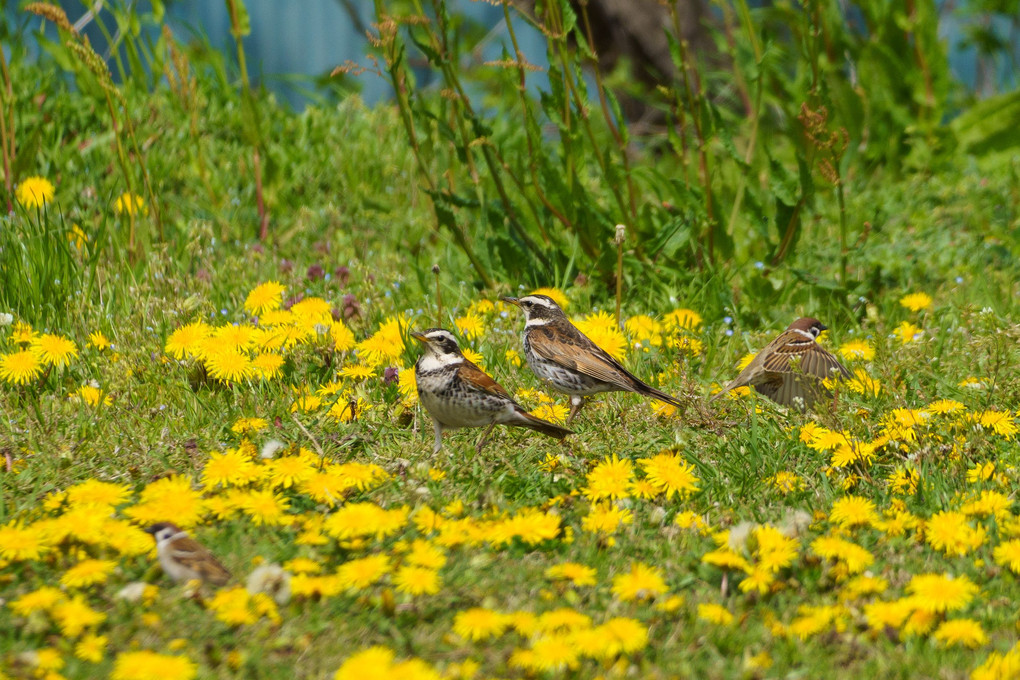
x,y
456,393
183,558
771,372
568,361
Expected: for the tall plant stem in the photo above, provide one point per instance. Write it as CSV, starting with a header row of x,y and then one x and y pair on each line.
x,y
249,101
7,130
611,122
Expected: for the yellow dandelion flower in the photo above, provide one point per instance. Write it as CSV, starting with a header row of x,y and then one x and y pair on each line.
x,y
407,385
146,665
306,403
385,345
361,573
186,340
786,482
87,572
54,350
73,616
861,586
685,343
601,328
557,296
857,350
231,468
966,632
18,542
554,413
1007,554
938,593
92,396
642,328
714,613
682,319
610,479
267,365
131,204
915,302
671,474
229,365
289,471
415,580
950,532
854,558
91,648
95,492
264,507
19,368
357,372
908,332
512,357
622,635
471,326
999,666
852,511
563,619
34,192
364,520
169,498
944,406
479,624
606,518
41,600
265,297
98,341
233,606
578,574
249,425
862,383
1001,423
343,338
640,583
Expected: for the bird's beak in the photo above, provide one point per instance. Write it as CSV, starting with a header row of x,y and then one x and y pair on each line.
x,y
419,337
150,530
823,327
511,300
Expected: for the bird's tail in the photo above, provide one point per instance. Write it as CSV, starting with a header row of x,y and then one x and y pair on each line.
x,y
538,425
650,391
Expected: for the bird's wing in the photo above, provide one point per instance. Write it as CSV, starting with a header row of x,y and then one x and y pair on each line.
x,y
815,360
193,555
480,380
576,351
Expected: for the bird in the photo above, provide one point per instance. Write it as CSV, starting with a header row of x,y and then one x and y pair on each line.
x,y
773,373
456,393
183,558
568,361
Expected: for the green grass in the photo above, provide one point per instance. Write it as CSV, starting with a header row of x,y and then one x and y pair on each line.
x,y
342,191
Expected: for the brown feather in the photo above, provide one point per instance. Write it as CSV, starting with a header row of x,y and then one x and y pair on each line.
x,y
772,374
193,555
479,379
569,347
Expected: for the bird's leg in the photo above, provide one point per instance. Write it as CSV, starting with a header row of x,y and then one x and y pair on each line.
x,y
485,438
576,402
439,436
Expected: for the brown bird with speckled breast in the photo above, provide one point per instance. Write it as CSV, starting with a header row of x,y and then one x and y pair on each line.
x,y
772,371
456,393
568,361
